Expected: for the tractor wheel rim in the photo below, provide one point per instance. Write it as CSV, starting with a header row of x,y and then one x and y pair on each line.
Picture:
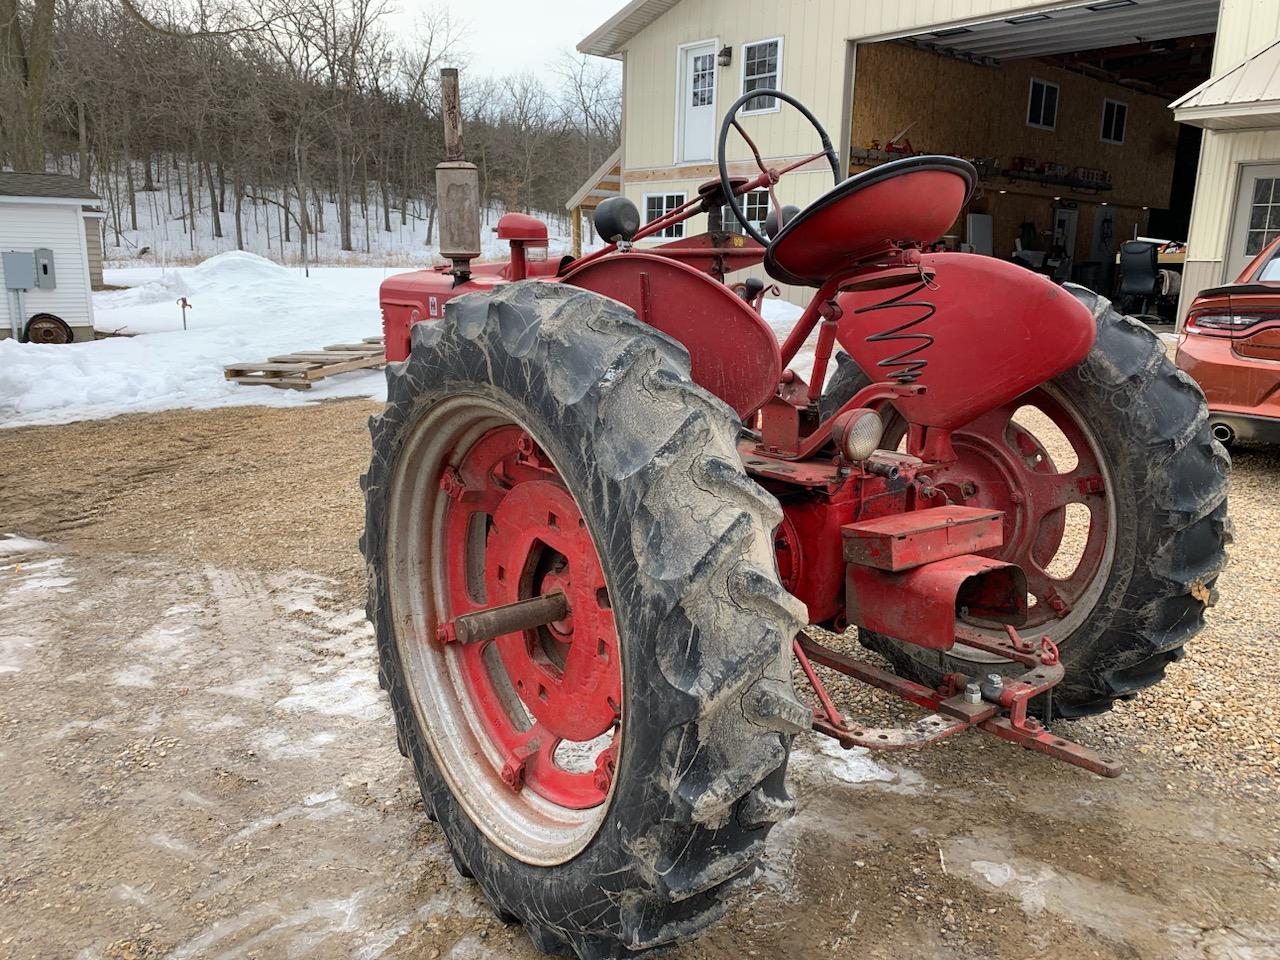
x,y
525,728
1017,474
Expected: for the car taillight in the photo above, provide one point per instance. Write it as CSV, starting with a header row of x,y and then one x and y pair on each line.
x,y
1216,319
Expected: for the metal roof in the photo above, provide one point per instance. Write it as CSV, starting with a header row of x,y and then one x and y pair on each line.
x,y
45,185
1080,25
604,183
608,39
1243,98
1090,25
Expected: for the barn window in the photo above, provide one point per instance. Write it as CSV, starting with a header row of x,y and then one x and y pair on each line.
x,y
1042,105
1115,117
1264,215
704,80
755,205
762,70
658,205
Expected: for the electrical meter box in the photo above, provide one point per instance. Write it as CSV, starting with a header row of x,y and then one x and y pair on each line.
x,y
20,269
46,279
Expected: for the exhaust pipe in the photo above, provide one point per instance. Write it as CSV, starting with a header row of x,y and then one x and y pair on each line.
x,y
457,187
1223,434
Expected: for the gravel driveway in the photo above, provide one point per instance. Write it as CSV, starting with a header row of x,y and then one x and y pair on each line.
x,y
198,761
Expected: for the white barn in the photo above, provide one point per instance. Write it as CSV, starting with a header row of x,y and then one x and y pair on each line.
x,y
43,214
1067,101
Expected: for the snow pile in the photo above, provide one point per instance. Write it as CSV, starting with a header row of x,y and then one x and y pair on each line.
x,y
244,309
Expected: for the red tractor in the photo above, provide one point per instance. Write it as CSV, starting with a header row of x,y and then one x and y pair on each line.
x,y
603,514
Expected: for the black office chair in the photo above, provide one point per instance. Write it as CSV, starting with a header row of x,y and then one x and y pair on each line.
x,y
1139,278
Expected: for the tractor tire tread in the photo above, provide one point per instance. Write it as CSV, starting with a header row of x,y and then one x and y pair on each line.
x,y
1156,425
658,455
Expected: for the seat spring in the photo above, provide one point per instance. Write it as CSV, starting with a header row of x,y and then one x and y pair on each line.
x,y
908,370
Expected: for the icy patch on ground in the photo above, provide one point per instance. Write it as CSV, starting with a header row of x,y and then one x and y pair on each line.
x,y
278,745
303,811
352,692
1106,909
136,675
315,922
14,652
41,575
12,544
164,841
852,766
245,688
32,585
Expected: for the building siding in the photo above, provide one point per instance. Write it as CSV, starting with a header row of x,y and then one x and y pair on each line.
x,y
816,34
1244,28
61,229
816,63
93,244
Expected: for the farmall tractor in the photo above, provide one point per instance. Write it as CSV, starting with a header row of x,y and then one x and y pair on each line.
x,y
605,517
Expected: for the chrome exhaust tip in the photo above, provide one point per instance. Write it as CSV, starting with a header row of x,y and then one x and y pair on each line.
x,y
1223,434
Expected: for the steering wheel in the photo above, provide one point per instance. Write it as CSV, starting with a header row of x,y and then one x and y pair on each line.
x,y
726,184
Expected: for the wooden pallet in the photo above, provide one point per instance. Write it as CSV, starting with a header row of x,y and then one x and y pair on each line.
x,y
298,371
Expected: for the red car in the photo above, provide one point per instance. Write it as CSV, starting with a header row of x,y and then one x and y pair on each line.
x,y
1231,347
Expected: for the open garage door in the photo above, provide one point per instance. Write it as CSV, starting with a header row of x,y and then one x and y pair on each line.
x,y
1064,110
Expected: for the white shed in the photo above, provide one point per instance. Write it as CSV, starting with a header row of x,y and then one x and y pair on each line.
x,y
44,257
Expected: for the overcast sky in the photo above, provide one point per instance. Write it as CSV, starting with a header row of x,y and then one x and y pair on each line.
x,y
512,36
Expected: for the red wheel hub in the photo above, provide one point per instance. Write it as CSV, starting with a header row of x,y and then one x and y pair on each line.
x,y
1005,465
514,532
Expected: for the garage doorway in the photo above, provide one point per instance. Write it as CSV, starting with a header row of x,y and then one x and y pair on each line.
x,y
1064,112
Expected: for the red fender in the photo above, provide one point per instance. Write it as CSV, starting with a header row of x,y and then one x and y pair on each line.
x,y
732,352
978,334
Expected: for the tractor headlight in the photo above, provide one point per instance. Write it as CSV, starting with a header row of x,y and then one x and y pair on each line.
x,y
857,434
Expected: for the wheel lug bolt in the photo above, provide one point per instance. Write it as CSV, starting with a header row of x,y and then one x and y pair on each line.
x,y
513,775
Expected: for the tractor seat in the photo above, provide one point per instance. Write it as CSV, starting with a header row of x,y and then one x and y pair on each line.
x,y
912,200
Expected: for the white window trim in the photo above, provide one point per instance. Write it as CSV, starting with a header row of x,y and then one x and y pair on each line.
x,y
684,198
678,128
1102,134
742,75
735,226
1057,104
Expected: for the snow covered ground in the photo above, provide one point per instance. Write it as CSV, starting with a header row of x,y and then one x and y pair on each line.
x,y
244,308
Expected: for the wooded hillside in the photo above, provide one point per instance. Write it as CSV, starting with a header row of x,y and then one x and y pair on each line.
x,y
297,104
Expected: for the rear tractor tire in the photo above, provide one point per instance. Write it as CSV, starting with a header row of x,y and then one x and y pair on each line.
x,y
541,439
1158,526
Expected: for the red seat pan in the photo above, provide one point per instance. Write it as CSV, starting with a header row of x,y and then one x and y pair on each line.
x,y
912,200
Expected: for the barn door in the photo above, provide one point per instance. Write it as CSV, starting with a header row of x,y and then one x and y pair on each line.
x,y
697,125
1257,220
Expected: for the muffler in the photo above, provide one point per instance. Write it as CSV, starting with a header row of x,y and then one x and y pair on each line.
x,y
457,187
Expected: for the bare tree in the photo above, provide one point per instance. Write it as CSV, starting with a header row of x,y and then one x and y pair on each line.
x,y
296,107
